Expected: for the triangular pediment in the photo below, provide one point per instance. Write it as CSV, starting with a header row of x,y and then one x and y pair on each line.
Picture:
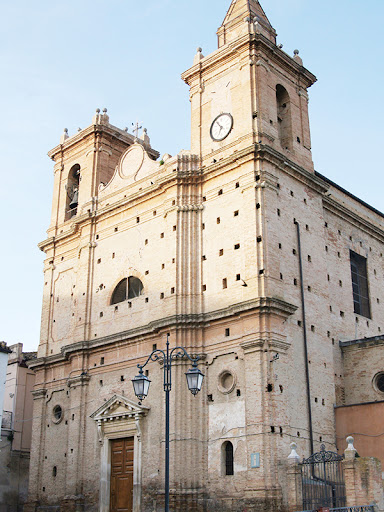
x,y
119,407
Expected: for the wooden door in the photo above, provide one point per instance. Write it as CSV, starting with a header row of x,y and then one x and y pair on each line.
x,y
122,475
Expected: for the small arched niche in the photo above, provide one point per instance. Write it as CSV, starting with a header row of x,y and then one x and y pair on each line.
x,y
284,117
72,187
128,288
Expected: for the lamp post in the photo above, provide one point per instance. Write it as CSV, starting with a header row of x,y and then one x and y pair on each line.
x,y
141,386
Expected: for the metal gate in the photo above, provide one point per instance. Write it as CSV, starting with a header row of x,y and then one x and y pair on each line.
x,y
323,481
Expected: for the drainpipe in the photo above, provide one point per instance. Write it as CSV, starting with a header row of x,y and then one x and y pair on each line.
x,y
305,340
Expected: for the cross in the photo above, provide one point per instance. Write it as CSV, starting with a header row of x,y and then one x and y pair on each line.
x,y
136,129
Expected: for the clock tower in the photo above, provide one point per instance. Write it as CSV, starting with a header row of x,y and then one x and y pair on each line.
x,y
250,85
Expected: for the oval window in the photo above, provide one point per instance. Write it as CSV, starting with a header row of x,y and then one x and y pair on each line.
x,y
57,414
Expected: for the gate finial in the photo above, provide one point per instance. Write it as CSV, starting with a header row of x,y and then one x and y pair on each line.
x,y
351,451
293,456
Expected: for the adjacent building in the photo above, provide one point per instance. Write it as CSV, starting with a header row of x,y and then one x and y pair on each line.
x,y
16,429
243,254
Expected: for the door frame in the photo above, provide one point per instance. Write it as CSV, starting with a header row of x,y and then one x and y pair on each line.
x,y
119,418
105,471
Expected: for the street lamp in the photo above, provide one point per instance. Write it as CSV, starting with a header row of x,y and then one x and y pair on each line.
x,y
141,385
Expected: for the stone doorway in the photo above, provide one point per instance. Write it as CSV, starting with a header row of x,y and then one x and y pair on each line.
x,y
119,431
122,457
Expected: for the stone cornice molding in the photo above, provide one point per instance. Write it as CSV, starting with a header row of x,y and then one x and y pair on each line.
x,y
78,380
253,42
348,215
38,394
258,344
261,306
362,343
106,129
267,153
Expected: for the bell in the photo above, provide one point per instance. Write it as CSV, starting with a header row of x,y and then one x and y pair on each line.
x,y
75,199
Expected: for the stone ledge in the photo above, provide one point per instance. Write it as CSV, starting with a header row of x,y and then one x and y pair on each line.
x,y
263,305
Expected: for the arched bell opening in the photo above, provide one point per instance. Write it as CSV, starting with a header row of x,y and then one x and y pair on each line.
x,y
72,187
284,117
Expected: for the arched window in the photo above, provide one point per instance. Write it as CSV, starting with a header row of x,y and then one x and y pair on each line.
x,y
228,458
128,288
72,187
284,117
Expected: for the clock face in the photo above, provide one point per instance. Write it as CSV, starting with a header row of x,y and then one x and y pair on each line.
x,y
221,127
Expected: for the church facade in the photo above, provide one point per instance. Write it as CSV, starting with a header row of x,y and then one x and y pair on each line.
x,y
239,251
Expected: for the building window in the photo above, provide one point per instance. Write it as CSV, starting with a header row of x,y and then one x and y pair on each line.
x,y
228,458
360,285
57,414
128,288
378,382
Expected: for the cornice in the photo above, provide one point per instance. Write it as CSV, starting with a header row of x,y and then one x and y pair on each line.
x,y
291,168
362,343
74,228
261,305
259,40
265,152
253,41
38,394
348,215
78,380
107,129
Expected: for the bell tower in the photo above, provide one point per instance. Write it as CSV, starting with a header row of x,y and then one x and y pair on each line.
x,y
260,89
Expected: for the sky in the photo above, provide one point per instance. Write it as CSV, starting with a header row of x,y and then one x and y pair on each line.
x,y
61,60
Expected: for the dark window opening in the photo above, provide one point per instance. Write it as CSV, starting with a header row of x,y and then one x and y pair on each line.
x,y
57,413
380,382
283,106
127,289
72,188
360,289
229,466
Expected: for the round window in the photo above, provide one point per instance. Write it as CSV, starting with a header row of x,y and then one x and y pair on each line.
x,y
379,382
226,381
57,414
